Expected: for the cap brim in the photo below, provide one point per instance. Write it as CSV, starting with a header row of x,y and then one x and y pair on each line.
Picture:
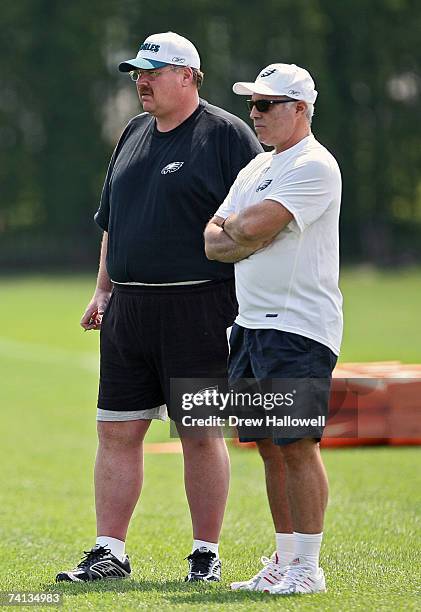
x,y
244,89
140,62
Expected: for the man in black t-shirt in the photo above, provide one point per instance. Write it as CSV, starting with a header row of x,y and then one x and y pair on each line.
x,y
162,306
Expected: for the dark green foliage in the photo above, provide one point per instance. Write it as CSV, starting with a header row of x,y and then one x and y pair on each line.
x,y
58,77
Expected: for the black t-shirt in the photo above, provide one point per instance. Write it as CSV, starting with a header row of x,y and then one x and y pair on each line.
x,y
163,187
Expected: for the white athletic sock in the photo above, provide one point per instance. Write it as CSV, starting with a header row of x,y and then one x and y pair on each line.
x,y
211,546
116,546
307,548
285,543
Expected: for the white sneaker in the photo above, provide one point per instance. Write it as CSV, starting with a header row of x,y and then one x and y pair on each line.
x,y
270,575
299,579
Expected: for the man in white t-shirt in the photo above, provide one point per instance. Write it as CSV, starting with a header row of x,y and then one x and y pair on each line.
x,y
279,224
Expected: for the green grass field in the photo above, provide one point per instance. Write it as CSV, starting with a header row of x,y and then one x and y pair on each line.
x,y
371,552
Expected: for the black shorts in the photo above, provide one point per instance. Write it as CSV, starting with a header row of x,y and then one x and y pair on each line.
x,y
152,334
260,357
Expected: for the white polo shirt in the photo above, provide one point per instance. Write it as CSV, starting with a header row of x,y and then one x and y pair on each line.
x,y
292,285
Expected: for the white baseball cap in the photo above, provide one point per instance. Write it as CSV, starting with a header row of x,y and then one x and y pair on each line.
x,y
281,80
161,49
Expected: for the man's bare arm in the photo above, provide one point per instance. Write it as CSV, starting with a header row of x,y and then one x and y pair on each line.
x,y
258,223
92,316
219,246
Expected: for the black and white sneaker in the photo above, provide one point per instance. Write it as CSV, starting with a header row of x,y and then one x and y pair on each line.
x,y
203,566
98,564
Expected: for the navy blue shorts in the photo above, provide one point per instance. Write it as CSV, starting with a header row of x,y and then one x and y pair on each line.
x,y
260,357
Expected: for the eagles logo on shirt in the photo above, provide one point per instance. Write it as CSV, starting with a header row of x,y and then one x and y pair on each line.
x,y
264,185
172,167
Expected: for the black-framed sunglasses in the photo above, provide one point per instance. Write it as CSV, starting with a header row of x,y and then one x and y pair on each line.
x,y
264,105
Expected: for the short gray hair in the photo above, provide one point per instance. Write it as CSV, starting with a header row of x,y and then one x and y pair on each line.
x,y
309,112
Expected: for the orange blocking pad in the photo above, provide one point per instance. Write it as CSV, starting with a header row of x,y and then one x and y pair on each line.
x,y
405,411
383,397
357,410
371,404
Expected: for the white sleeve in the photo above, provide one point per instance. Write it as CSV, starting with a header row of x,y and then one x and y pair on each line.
x,y
228,206
306,191
232,202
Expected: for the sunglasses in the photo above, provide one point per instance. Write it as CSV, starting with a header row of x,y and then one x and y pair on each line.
x,y
264,105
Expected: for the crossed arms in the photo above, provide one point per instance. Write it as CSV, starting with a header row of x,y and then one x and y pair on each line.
x,y
246,232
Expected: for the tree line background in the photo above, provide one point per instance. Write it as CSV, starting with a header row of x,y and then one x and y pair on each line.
x,y
63,104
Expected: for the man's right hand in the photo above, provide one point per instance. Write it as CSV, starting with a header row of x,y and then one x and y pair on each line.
x,y
92,316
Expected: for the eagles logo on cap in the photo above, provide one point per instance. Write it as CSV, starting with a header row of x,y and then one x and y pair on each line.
x,y
281,80
162,49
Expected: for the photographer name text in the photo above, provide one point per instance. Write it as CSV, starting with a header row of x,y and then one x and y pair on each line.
x,y
266,421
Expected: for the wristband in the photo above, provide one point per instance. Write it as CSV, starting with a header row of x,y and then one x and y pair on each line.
x,y
223,223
